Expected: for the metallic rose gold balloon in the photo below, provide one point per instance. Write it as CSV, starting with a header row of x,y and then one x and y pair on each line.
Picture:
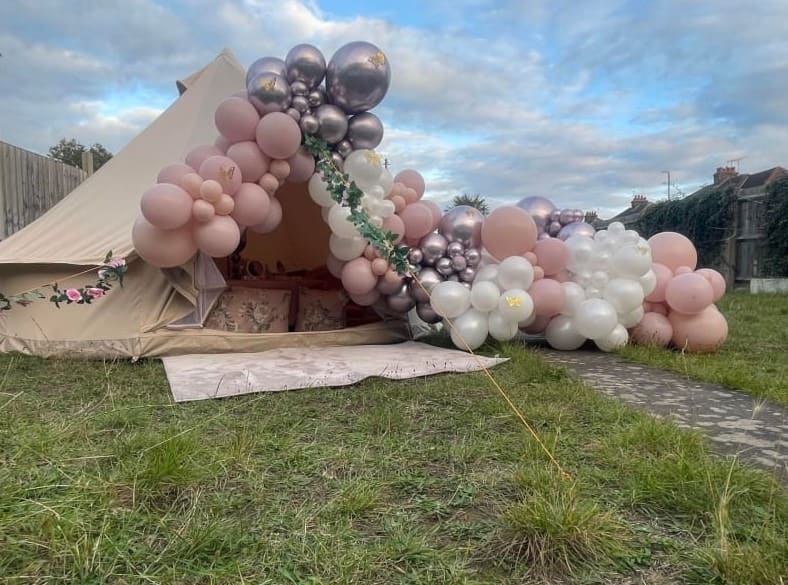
x,y
357,77
428,277
269,92
427,314
401,301
578,228
433,247
333,123
266,65
365,131
539,208
306,64
462,224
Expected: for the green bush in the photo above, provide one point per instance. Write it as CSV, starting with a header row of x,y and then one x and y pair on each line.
x,y
776,229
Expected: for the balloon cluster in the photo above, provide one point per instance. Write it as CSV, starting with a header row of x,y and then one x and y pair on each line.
x,y
552,222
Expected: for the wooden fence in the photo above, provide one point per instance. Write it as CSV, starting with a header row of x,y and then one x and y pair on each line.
x,y
29,185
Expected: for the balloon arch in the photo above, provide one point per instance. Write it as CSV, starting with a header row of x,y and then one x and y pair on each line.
x,y
527,267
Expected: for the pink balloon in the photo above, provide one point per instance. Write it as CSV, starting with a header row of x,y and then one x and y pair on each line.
x,y
399,203
224,170
508,231
173,173
437,214
653,329
379,266
279,169
673,250
646,307
269,183
548,296
162,248
222,144
562,276
302,166
250,159
531,257
202,211
682,270
198,154
357,276
225,205
236,119
413,180
538,326
538,273
660,308
664,276
166,206
278,135
219,237
191,183
272,220
211,191
552,255
410,195
366,300
716,280
417,218
689,293
334,265
702,332
251,205
395,225
370,253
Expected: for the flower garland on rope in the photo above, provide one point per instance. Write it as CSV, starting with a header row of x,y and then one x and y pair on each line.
x,y
112,270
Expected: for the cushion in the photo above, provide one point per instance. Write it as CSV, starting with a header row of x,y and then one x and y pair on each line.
x,y
321,310
251,310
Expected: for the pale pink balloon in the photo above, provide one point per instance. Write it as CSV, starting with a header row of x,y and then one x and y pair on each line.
x,y
508,231
538,326
236,119
251,205
191,183
198,154
173,173
562,276
413,180
225,205
646,307
673,250
357,276
302,166
682,270
278,135
410,195
395,225
548,296
664,276
166,206
538,273
660,308
269,183
699,333
222,143
218,237
379,267
716,280
552,255
279,169
531,257
202,211
162,248
399,203
370,253
272,220
653,329
224,170
689,293
437,214
250,159
366,300
334,265
211,191
417,218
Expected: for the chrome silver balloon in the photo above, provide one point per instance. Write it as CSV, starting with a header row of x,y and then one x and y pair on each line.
x,y
462,224
580,215
543,236
300,103
365,131
309,124
339,162
453,278
555,215
433,247
473,257
455,249
269,92
299,88
578,228
539,208
333,123
554,228
358,77
266,65
444,267
566,216
293,113
317,98
344,147
401,301
427,314
428,277
459,263
415,256
467,274
305,63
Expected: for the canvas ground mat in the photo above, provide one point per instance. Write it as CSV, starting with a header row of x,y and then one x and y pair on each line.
x,y
203,376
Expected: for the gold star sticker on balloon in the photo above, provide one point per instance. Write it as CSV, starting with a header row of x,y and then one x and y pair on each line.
x,y
373,158
513,301
227,173
269,84
378,59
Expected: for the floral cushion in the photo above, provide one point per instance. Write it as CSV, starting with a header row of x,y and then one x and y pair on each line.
x,y
321,310
251,310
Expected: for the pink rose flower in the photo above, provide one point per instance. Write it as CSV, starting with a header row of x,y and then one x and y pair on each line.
x,y
73,294
95,292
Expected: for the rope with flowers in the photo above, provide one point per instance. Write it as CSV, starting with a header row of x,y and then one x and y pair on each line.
x,y
111,271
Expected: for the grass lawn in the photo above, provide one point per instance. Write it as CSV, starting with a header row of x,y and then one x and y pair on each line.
x,y
754,359
104,480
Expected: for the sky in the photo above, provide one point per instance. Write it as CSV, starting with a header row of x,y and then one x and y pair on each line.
x,y
585,103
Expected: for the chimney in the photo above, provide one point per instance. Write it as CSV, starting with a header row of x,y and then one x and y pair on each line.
x,y
639,201
723,174
591,217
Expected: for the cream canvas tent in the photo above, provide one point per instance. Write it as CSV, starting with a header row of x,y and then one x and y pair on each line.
x,y
157,312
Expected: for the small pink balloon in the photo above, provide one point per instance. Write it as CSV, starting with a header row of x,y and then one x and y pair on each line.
x,y
279,169
222,143
302,166
174,173
202,211
689,293
162,248
410,196
357,276
191,183
166,206
236,119
334,265
391,277
508,231
198,154
251,205
538,273
673,250
224,170
562,276
250,159
225,205
548,296
379,267
399,203
653,329
278,135
682,270
552,255
531,257
211,191
269,183
716,280
703,332
413,180
437,214
538,326
366,300
370,253
219,237
417,218
395,225
664,276
272,220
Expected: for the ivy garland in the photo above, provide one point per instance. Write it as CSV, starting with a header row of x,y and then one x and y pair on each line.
x,y
346,193
776,229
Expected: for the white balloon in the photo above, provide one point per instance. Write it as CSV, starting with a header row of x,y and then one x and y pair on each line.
x,y
375,191
346,249
624,294
632,260
364,167
485,295
386,181
560,334
595,318
469,330
616,228
573,295
616,339
581,251
599,279
526,322
386,208
649,282
500,327
515,272
489,272
450,299
318,191
631,318
339,222
324,211
516,305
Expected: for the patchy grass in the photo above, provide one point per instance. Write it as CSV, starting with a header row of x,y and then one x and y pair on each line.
x,y
754,359
104,479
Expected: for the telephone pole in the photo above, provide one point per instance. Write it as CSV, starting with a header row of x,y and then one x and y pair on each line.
x,y
668,174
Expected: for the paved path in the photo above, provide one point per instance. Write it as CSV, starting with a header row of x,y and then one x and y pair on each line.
x,y
736,423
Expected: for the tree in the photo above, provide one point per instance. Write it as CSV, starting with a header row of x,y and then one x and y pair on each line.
x,y
70,152
476,201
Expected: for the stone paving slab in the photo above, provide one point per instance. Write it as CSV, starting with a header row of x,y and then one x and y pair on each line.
x,y
736,423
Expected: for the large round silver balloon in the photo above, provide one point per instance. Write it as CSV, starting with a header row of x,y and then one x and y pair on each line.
x,y
539,208
427,314
463,224
579,228
305,63
333,123
365,131
427,279
433,247
401,301
266,65
358,77
269,92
